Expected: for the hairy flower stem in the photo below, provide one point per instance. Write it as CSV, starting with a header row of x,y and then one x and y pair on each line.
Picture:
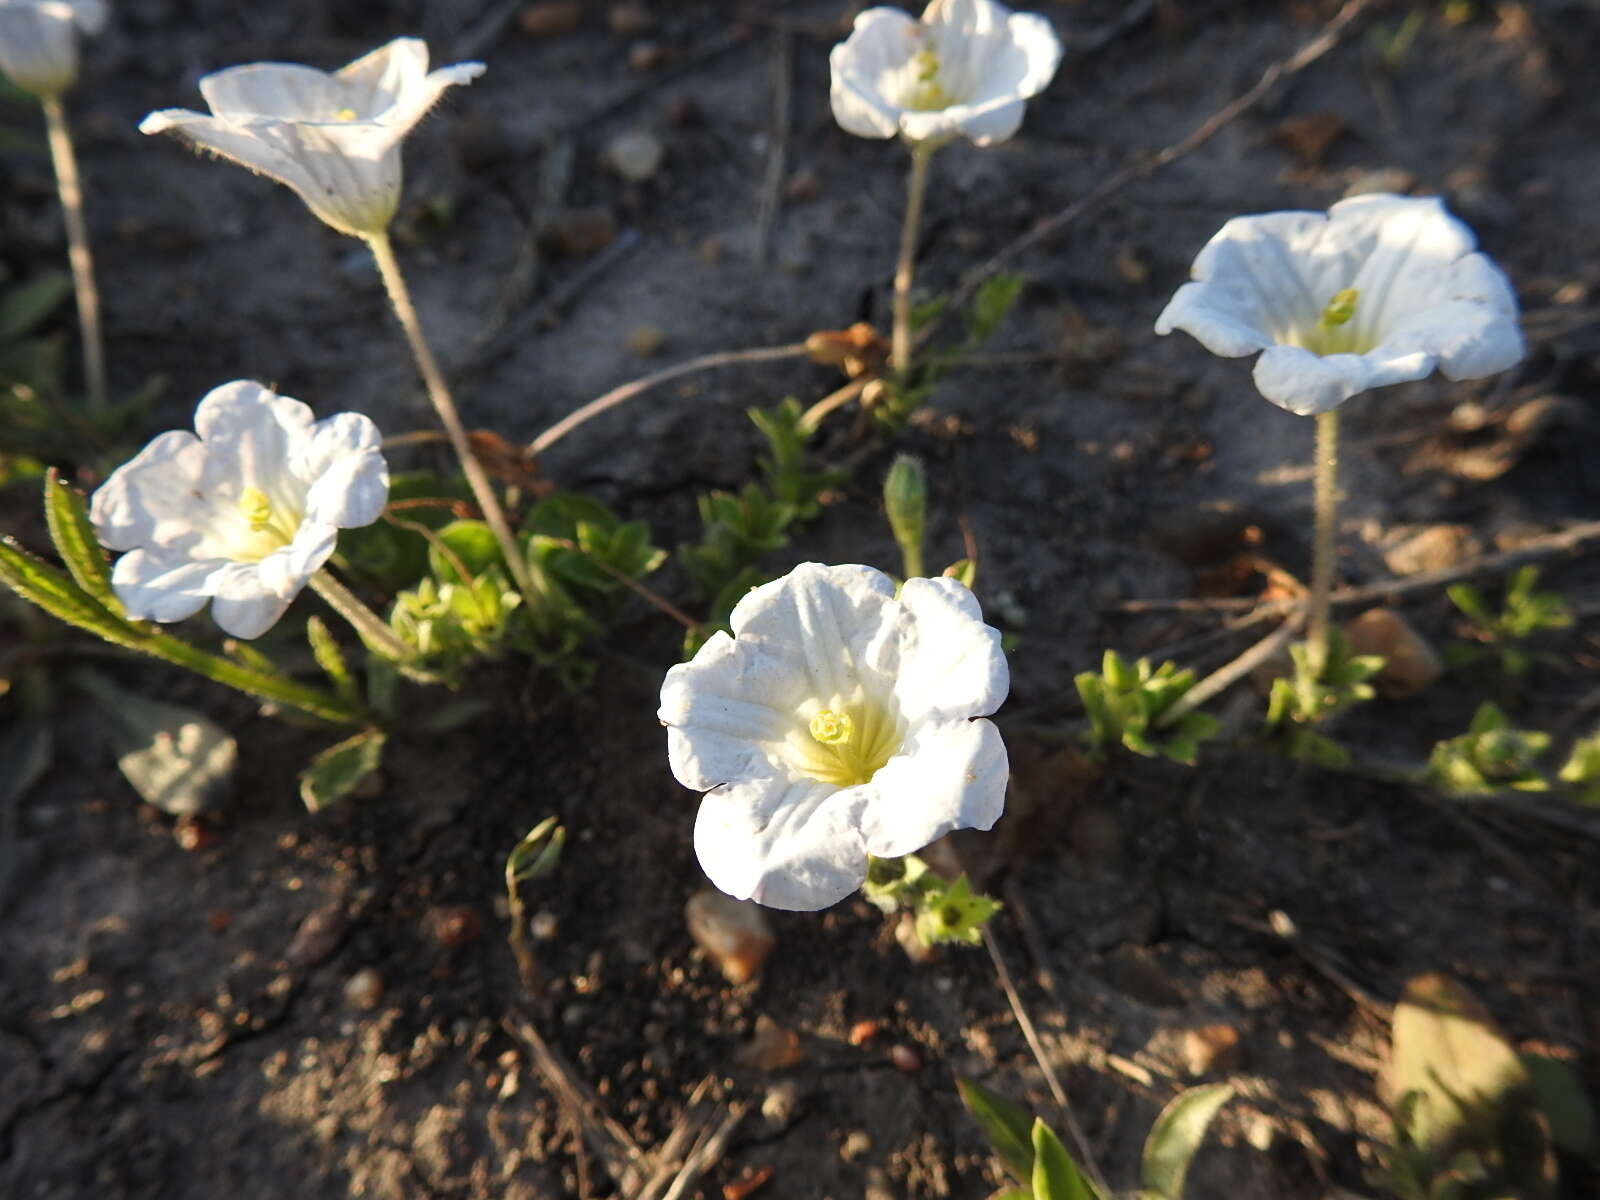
x,y
374,634
1324,549
439,392
70,190
916,187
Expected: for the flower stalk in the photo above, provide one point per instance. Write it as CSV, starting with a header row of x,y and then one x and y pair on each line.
x,y
70,189
439,393
1324,551
916,188
374,634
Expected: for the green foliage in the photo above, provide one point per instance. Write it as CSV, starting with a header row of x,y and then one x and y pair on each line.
x,y
1314,695
1174,1139
738,529
1567,1108
331,659
1467,1119
944,910
63,597
391,556
1582,769
1127,704
341,769
905,503
1523,613
1490,757
1055,1175
1007,1126
537,855
580,558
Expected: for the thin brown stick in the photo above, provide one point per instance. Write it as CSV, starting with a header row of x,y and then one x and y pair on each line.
x,y
637,387
1224,677
1025,1023
778,155
70,188
812,418
905,266
1331,35
638,589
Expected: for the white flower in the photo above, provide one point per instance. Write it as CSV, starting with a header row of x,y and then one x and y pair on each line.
x,y
834,724
334,139
1379,290
966,69
38,44
241,515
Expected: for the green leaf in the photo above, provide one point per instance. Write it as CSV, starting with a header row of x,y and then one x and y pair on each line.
x,y
325,649
1174,1138
36,581
991,306
1007,1126
1055,1175
337,771
537,854
1566,1106
68,518
473,542
24,307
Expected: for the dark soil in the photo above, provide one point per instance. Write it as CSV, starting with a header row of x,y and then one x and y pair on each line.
x,y
174,1022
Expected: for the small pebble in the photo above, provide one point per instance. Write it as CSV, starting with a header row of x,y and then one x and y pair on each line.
x,y
364,989
647,56
1410,663
629,20
543,926
802,187
905,1058
772,1047
781,1105
1210,1049
579,232
917,950
318,935
863,1032
635,155
855,1145
550,19
453,925
645,341
735,933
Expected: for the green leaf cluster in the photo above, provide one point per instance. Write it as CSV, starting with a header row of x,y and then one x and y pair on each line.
x,y
1037,1160
944,910
1582,769
1314,694
739,528
1490,757
1523,613
1127,702
580,557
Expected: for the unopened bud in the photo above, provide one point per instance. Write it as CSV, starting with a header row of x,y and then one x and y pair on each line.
x,y
905,498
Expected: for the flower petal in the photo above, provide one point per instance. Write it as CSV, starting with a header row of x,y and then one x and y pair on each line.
x,y
1306,383
286,91
89,14
163,584
38,47
786,843
880,44
415,101
250,433
830,619
345,470
950,775
155,497
950,663
372,83
249,597
724,708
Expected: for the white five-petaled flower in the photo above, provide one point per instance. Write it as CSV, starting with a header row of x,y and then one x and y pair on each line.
x,y
837,722
1378,290
242,514
334,139
39,44
966,68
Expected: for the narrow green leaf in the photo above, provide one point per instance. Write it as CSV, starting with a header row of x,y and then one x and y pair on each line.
x,y
74,537
1007,1126
1175,1137
339,770
24,307
325,649
1055,1175
36,581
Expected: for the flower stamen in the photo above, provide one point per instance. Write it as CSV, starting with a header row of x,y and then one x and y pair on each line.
x,y
845,744
277,528
927,93
1340,309
345,114
832,728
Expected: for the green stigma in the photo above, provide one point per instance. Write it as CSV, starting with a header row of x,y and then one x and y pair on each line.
x,y
927,93
269,528
1340,309
832,728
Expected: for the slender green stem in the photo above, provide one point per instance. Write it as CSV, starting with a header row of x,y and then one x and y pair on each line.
x,y
71,192
916,188
1325,548
439,392
374,634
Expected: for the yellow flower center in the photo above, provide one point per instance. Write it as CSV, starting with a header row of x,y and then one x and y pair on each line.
x,y
269,529
345,114
927,93
845,743
1333,333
